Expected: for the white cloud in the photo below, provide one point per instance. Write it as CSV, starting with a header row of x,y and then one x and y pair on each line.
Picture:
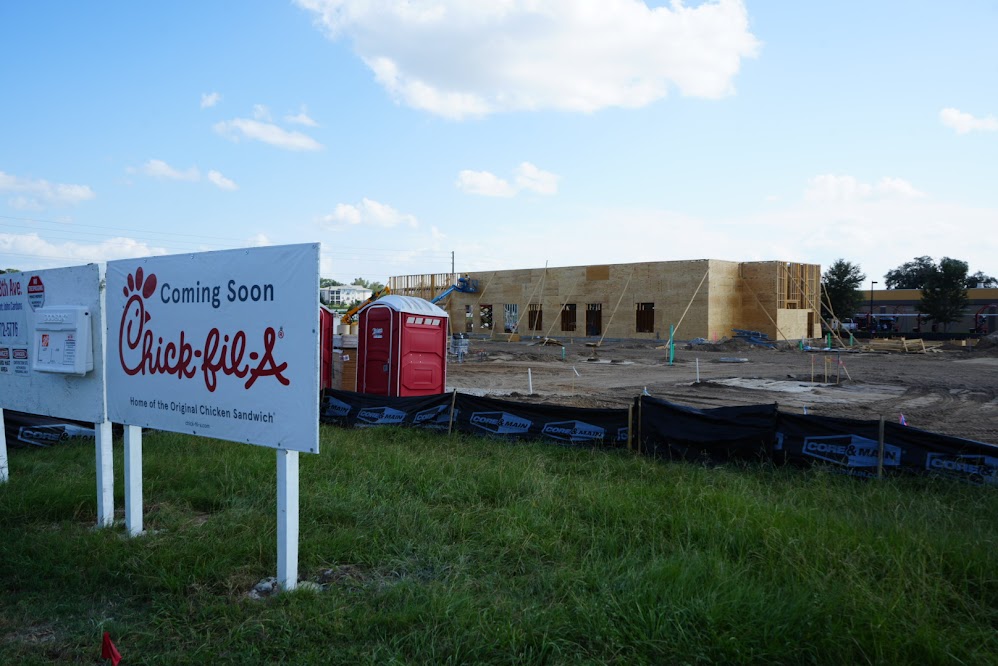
x,y
368,213
209,100
261,112
162,170
529,177
221,181
965,122
41,253
35,194
421,95
268,133
25,203
484,183
457,58
898,187
526,176
260,240
831,188
301,118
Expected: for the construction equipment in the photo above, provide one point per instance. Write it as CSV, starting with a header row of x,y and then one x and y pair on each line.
x,y
754,337
981,319
464,284
350,315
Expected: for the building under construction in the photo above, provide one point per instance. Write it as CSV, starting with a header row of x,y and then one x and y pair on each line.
x,y
705,298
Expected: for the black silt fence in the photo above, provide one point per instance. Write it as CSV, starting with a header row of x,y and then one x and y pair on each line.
x,y
30,430
853,446
677,432
504,419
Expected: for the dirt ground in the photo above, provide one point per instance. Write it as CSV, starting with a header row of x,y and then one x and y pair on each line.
x,y
952,390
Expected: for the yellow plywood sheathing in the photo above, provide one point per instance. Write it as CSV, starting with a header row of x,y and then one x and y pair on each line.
x,y
622,292
708,297
597,272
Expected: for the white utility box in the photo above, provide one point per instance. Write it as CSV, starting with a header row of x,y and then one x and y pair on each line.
x,y
62,340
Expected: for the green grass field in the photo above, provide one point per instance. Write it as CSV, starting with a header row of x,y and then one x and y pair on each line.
x,y
459,550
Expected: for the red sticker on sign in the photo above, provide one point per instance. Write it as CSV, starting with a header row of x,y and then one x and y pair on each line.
x,y
36,292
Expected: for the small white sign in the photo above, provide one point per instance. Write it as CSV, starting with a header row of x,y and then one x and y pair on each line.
x,y
219,344
21,364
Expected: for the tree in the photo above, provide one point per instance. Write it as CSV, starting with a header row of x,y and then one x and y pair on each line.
x,y
980,278
910,275
841,282
327,282
373,286
944,295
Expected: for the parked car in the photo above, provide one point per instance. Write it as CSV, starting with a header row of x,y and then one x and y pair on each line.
x,y
846,325
885,324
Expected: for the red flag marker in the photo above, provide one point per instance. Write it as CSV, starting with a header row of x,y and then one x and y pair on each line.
x,y
108,651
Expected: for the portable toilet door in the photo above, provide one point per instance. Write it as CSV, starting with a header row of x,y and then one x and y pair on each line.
x,y
402,347
422,368
375,341
326,328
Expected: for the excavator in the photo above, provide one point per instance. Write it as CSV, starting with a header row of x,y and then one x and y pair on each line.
x,y
981,319
350,315
464,285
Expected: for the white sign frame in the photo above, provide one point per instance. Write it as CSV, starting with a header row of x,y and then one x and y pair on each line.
x,y
24,297
296,280
65,396
219,344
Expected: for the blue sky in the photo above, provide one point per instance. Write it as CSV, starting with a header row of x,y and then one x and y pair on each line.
x,y
514,134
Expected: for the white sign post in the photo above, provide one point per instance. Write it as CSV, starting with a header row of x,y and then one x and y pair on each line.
x,y
133,480
287,519
105,474
4,469
224,345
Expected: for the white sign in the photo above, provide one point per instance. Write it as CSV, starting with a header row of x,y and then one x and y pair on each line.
x,y
49,337
219,344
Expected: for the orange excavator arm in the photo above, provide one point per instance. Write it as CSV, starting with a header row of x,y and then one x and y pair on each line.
x,y
350,315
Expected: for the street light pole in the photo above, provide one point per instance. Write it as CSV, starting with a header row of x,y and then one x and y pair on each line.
x,y
873,329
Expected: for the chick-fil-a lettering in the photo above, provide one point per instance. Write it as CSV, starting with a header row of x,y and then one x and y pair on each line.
x,y
149,355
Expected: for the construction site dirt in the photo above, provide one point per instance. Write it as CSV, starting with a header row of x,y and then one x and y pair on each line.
x,y
949,389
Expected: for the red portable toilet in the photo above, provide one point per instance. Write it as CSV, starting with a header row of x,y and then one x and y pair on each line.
x,y
325,348
402,347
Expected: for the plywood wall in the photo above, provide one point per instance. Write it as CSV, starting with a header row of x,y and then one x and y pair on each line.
x,y
702,298
421,286
725,305
782,298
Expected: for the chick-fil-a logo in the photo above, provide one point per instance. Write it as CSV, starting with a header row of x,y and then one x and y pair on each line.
x,y
141,352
